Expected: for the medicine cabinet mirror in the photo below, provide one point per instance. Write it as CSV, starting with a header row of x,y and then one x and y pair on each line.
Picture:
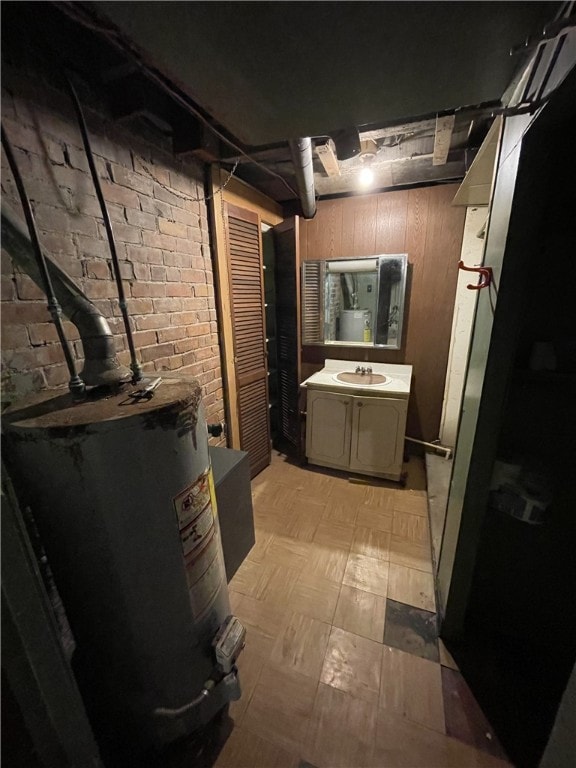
x,y
354,302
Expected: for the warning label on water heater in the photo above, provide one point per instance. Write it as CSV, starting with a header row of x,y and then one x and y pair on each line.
x,y
195,509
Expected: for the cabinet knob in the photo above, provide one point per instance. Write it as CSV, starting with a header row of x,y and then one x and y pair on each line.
x,y
359,405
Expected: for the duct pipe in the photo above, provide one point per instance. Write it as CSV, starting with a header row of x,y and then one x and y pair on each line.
x,y
301,150
101,365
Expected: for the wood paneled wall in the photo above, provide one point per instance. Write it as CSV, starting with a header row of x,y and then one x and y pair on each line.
x,y
422,223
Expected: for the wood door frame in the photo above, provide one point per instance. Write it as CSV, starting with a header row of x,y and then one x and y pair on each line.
x,y
236,192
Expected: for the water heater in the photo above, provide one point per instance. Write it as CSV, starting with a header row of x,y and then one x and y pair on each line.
x,y
121,490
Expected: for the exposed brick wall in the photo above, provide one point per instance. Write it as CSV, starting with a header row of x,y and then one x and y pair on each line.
x,y
161,232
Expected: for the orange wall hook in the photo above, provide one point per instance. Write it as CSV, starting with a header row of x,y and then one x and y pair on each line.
x,y
484,272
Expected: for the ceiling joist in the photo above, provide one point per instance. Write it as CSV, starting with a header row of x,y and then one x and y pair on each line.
x,y
442,139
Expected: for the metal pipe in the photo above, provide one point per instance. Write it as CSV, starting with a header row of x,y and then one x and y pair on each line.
x,y
301,151
134,364
446,451
75,383
101,365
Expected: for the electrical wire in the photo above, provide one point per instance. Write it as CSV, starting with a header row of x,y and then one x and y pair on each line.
x,y
134,364
71,10
75,384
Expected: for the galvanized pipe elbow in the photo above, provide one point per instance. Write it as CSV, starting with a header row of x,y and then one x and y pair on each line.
x,y
101,365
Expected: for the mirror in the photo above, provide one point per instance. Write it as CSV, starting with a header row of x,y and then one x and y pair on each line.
x,y
354,302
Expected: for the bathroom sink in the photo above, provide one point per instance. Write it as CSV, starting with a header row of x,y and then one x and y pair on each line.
x,y
365,379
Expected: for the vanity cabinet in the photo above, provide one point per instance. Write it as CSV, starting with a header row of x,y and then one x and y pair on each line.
x,y
359,433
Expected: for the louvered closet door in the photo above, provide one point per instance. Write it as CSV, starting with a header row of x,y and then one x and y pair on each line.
x,y
247,299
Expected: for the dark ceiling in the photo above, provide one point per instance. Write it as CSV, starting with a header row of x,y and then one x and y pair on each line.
x,y
261,73
271,71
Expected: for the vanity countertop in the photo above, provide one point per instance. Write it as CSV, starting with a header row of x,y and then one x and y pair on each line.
x,y
398,378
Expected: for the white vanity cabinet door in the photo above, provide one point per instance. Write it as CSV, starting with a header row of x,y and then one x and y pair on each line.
x,y
377,443
328,426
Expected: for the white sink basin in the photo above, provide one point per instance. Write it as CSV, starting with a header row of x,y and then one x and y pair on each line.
x,y
361,379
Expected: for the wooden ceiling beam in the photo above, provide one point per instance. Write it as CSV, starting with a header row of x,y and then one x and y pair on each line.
x,y
442,139
328,158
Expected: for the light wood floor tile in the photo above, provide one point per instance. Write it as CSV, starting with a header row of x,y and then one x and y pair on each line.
x,y
353,664
250,662
262,621
351,494
410,554
258,551
281,706
326,563
400,743
412,527
245,749
373,517
371,542
361,612
412,687
334,535
270,520
366,573
304,503
407,585
341,732
288,552
276,496
301,644
276,583
446,657
340,513
382,498
246,578
315,597
301,527
413,502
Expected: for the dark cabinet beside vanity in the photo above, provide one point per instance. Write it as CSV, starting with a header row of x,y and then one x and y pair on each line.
x,y
234,499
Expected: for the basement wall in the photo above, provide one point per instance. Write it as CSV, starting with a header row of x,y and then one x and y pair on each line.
x,y
160,224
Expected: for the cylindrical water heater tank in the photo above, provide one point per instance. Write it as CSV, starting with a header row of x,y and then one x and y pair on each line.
x,y
352,324
122,493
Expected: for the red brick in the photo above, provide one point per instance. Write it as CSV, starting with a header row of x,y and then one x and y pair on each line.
x,y
158,273
22,313
160,193
126,233
152,321
90,246
141,271
149,169
144,255
26,359
98,269
159,350
155,207
184,217
201,289
27,289
114,193
132,180
141,219
178,289
100,289
183,318
45,333
140,306
186,345
171,334
158,240
193,276
167,305
8,288
176,259
174,228
14,336
168,363
147,289
56,375
145,338
172,274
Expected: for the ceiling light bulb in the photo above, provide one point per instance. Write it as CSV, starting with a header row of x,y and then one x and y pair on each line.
x,y
366,177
